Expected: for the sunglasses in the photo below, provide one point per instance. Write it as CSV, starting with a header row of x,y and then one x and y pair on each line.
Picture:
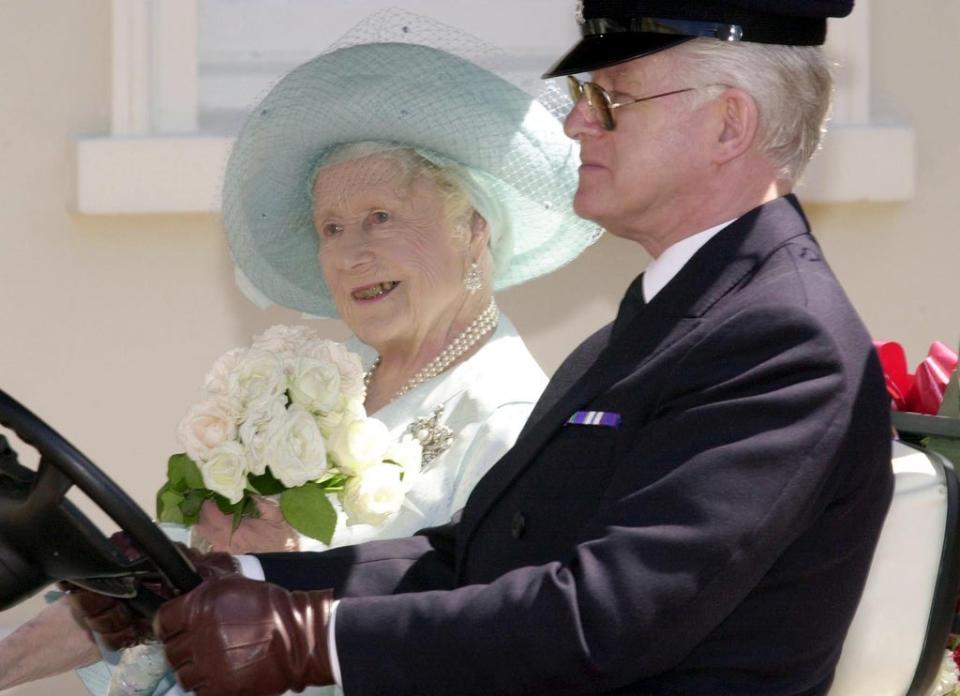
x,y
601,103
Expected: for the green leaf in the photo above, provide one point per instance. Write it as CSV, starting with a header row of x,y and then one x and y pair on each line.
x,y
237,518
307,509
249,507
226,507
237,510
245,508
190,507
192,473
334,483
265,484
183,473
158,504
168,506
176,471
172,514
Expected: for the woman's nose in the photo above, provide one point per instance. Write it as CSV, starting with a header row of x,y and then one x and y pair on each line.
x,y
354,250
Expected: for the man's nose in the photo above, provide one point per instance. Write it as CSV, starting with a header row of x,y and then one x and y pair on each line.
x,y
581,121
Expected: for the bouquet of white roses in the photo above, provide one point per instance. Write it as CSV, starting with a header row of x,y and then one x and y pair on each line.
x,y
285,418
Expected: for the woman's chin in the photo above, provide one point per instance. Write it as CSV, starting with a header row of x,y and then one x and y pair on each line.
x,y
375,330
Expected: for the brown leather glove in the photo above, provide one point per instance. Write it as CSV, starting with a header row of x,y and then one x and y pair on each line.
x,y
240,636
118,624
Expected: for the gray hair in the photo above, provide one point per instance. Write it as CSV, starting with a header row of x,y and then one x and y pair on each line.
x,y
457,201
791,85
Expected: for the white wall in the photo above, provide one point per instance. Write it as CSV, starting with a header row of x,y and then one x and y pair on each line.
x,y
107,324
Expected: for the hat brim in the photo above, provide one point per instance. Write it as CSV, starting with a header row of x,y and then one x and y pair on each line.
x,y
412,96
603,50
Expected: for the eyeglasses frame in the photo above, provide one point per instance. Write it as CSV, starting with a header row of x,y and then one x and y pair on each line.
x,y
604,110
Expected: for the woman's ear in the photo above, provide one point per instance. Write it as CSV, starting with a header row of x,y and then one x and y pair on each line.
x,y
739,120
479,234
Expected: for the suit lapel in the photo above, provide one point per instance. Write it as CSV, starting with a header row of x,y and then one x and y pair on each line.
x,y
586,354
722,264
644,336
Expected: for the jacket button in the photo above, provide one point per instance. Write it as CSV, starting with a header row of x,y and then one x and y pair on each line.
x,y
518,525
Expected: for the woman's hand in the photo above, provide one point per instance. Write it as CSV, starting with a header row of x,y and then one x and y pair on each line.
x,y
269,532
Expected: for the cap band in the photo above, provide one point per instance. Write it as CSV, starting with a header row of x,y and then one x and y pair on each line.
x,y
657,25
706,18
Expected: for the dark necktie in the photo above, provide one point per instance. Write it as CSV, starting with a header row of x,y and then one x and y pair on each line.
x,y
630,306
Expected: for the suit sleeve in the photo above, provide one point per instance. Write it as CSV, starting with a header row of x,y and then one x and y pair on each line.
x,y
744,442
419,563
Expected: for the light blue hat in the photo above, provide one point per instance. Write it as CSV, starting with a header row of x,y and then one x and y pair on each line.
x,y
513,155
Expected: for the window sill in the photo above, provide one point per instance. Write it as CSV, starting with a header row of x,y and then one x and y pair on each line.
x,y
183,174
862,163
144,175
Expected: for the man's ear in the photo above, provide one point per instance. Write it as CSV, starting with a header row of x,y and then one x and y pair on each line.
x,y
739,120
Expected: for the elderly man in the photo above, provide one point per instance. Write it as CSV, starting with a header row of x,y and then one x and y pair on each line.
x,y
694,504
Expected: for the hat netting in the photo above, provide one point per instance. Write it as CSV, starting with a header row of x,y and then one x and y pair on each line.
x,y
384,81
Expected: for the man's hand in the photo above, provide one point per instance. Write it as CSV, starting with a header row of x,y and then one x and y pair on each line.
x,y
118,624
236,635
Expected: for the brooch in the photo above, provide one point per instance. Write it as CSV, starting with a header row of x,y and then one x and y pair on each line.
x,y
434,437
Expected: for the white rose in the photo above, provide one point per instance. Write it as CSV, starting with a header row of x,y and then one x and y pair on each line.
x,y
359,443
374,495
347,362
314,385
258,430
206,426
257,380
218,379
408,455
349,409
284,339
225,472
296,453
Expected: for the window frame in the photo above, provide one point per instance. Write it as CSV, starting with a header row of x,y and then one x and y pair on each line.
x,y
155,160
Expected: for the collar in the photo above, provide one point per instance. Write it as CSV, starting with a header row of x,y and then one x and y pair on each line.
x,y
662,269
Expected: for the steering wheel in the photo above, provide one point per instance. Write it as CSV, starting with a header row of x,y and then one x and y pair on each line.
x,y
44,538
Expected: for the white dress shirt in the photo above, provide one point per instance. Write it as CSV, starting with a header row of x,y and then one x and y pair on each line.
x,y
662,269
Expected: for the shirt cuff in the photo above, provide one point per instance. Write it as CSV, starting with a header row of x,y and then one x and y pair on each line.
x,y
250,567
332,645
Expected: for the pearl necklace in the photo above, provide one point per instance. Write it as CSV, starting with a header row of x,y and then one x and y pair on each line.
x,y
485,322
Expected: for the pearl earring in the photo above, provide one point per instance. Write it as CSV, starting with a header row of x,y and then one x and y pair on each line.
x,y
472,280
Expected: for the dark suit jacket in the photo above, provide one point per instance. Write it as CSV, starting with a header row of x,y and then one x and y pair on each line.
x,y
715,543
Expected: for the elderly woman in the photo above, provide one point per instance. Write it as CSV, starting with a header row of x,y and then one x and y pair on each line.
x,y
396,187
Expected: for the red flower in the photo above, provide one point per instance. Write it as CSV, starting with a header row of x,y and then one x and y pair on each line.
x,y
921,392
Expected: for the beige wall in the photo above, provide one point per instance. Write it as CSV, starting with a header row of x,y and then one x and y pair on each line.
x,y
108,324
900,262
